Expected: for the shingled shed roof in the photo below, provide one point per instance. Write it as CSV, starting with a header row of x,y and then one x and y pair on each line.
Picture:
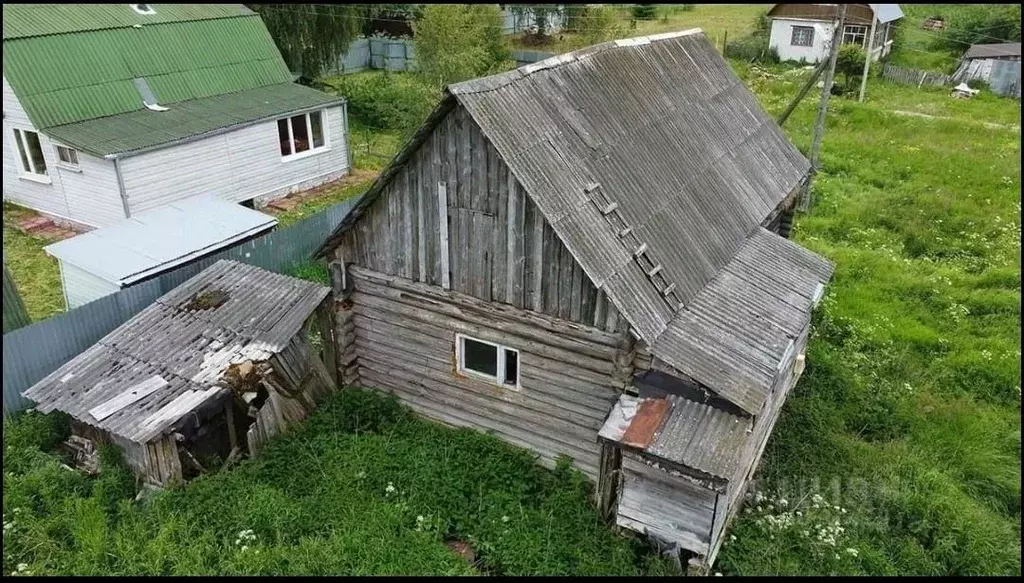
x,y
693,435
656,167
167,361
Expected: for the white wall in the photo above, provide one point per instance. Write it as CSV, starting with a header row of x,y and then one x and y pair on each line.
x,y
88,196
239,165
782,35
82,287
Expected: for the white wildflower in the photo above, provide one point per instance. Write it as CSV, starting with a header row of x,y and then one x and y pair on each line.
x,y
22,566
361,475
732,538
390,489
717,574
505,519
851,551
244,548
783,502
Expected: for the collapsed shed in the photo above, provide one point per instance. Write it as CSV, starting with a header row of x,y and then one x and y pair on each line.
x,y
210,370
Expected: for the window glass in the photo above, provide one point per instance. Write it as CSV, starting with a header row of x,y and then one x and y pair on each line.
x,y
511,367
300,133
480,357
317,128
282,135
803,36
35,152
20,140
67,155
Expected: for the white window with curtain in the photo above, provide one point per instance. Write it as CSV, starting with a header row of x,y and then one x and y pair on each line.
x,y
302,135
855,34
30,155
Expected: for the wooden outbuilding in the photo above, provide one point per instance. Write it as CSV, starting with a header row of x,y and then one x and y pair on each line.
x,y
560,240
211,370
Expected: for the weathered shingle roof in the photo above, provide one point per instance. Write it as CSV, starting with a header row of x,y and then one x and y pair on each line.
x,y
993,50
647,156
694,435
168,359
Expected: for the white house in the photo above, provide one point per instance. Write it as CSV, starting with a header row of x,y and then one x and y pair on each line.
x,y
113,109
803,32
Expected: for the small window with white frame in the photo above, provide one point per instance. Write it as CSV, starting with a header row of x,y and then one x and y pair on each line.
x,y
67,157
487,361
855,34
301,135
803,36
30,154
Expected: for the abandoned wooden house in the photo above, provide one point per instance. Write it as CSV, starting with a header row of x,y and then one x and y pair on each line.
x,y
558,241
209,371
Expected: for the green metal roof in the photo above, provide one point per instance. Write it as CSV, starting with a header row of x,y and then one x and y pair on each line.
x,y
23,20
136,131
184,52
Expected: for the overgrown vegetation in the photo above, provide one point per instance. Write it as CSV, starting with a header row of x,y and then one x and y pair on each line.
x,y
753,48
385,100
456,42
36,275
362,488
966,24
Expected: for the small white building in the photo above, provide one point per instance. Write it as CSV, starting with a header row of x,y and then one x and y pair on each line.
x,y
803,32
995,64
113,109
105,260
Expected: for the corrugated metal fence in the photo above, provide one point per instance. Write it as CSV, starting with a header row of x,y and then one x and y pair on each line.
x,y
1004,79
915,77
32,352
15,315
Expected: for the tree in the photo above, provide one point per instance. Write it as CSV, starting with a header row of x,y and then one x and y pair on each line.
x,y
602,24
979,24
311,37
850,64
644,11
455,42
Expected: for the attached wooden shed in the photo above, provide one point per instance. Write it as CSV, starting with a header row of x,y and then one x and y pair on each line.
x,y
576,230
213,368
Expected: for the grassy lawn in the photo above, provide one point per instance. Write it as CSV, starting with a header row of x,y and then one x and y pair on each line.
x,y
35,274
716,20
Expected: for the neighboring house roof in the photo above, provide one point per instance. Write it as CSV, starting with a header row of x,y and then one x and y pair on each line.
x,y
137,131
993,51
857,13
660,132
156,240
168,360
69,64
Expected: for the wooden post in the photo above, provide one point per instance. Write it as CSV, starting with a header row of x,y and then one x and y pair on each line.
x,y
867,60
725,41
803,91
442,210
608,480
804,201
325,321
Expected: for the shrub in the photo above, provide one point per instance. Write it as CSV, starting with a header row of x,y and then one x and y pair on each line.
x,y
850,64
752,48
602,24
390,101
458,42
979,24
644,11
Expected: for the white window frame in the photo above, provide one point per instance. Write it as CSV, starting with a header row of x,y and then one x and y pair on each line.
x,y
312,151
857,30
149,9
499,379
792,36
18,136
76,166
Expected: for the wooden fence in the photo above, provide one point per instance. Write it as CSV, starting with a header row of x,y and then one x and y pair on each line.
x,y
915,77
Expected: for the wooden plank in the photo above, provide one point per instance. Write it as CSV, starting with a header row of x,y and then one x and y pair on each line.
x,y
576,295
421,227
498,192
463,190
131,395
537,261
409,223
443,252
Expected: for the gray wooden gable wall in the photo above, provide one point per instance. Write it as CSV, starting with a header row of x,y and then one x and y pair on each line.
x,y
501,248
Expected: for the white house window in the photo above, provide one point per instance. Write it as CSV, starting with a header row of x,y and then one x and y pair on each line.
x,y
33,164
67,157
855,34
143,8
301,134
487,360
803,36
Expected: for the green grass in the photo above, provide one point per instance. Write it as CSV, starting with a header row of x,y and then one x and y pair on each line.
x,y
35,274
362,488
908,416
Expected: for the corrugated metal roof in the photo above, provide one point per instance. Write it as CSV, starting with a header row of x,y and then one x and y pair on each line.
x,y
130,133
25,20
887,12
158,239
645,153
187,349
993,50
691,434
66,78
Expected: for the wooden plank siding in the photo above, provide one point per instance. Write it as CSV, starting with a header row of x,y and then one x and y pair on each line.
x,y
500,247
405,344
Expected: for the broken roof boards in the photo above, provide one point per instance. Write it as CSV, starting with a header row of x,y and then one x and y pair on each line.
x,y
168,360
648,156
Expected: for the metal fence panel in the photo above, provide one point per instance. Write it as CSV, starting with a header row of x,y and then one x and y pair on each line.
x,y
1005,78
15,314
36,350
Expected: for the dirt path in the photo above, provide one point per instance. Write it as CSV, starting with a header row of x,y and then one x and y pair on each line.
x,y
997,126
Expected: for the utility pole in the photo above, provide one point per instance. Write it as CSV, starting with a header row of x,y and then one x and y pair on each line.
x,y
803,91
826,90
867,60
